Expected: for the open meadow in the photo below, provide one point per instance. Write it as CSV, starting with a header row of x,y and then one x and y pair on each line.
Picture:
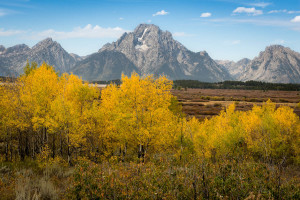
x,y
206,103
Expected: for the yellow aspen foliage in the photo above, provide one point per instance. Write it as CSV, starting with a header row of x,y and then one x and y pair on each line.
x,y
140,116
70,109
264,132
38,90
219,135
137,111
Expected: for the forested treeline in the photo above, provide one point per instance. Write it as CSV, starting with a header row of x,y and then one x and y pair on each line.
x,y
239,85
49,118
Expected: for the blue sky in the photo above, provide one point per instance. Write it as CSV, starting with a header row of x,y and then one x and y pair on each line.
x,y
226,29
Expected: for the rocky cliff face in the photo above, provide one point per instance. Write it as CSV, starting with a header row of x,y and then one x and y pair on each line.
x,y
276,64
14,59
154,51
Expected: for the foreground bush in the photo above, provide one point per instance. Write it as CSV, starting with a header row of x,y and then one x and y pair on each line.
x,y
165,180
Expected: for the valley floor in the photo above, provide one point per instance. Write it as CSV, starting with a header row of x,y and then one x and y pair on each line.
x,y
206,103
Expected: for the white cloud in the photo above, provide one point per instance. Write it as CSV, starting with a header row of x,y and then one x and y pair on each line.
x,y
277,11
121,18
2,13
296,19
232,42
163,12
10,32
207,14
293,11
284,11
279,42
260,4
258,22
250,11
149,21
86,32
182,34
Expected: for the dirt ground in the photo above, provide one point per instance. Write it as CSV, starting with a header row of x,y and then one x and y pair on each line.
x,y
205,103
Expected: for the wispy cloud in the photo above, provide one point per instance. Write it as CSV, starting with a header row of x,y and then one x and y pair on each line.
x,y
207,14
249,11
4,12
163,12
182,34
284,11
277,11
296,19
293,11
260,4
121,18
88,31
17,3
10,32
232,42
279,42
259,22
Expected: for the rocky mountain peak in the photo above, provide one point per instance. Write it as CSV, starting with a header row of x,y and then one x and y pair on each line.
x,y
275,47
142,27
275,51
45,44
244,60
154,51
203,53
276,64
46,50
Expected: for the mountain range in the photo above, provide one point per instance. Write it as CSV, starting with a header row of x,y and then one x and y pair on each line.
x,y
149,50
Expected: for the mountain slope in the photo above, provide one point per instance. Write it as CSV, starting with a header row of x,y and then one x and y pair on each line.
x,y
277,64
235,69
11,59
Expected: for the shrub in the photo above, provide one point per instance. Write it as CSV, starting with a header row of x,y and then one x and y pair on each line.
x,y
217,105
30,186
197,179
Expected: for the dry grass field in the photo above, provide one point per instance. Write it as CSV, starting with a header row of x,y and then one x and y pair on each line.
x,y
205,103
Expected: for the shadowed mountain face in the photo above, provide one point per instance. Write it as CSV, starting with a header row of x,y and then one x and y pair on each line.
x,y
106,65
14,59
277,64
154,51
